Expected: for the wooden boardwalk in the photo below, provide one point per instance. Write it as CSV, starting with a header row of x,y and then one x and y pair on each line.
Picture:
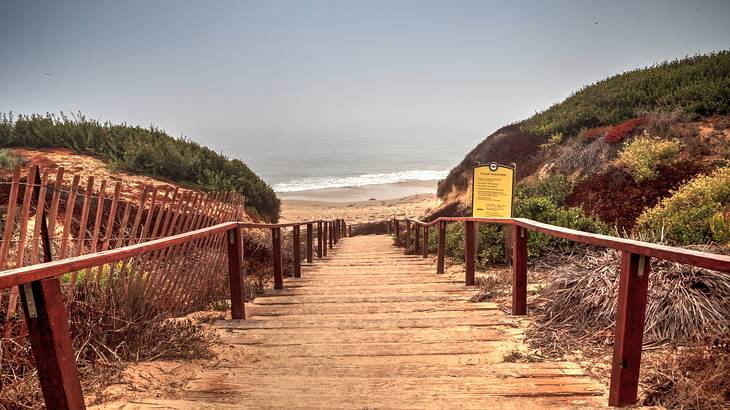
x,y
369,327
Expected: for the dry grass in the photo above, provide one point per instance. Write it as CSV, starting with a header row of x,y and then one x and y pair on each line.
x,y
691,377
685,303
687,306
107,332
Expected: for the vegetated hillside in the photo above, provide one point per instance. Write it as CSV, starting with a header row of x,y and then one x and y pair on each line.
x,y
620,147
147,151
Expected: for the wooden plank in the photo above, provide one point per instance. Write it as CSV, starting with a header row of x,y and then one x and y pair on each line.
x,y
70,203
20,249
80,249
10,218
39,211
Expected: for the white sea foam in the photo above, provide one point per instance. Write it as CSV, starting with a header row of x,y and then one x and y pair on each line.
x,y
306,184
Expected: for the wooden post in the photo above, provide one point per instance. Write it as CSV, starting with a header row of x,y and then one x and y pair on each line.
x,y
319,239
297,243
310,237
349,230
345,229
408,235
425,241
519,238
416,239
276,253
441,247
469,250
330,234
389,230
235,273
336,230
397,233
325,234
630,314
50,339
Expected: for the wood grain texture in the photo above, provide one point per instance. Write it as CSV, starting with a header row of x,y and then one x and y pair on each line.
x,y
348,337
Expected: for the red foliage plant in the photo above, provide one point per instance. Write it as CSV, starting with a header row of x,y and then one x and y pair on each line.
x,y
617,133
594,133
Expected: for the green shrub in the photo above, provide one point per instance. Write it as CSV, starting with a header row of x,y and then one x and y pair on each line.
x,y
140,150
9,161
643,155
553,141
555,187
698,85
696,213
543,209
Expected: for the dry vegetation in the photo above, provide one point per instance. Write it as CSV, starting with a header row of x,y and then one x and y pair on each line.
x,y
687,322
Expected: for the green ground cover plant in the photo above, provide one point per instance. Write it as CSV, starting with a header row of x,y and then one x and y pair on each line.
x,y
148,151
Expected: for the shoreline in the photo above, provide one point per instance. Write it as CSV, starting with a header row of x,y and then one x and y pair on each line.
x,y
360,204
375,192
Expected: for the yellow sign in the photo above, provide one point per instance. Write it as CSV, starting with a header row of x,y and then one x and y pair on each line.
x,y
493,191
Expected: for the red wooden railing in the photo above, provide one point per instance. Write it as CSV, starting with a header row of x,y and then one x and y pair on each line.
x,y
45,312
633,280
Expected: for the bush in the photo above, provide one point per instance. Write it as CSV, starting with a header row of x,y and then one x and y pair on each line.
x,y
9,161
621,131
696,213
555,187
140,150
643,155
698,85
543,209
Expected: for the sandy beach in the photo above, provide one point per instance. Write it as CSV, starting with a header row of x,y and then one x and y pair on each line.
x,y
360,204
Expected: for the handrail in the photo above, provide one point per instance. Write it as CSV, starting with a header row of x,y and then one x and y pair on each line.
x,y
45,313
696,258
633,280
40,271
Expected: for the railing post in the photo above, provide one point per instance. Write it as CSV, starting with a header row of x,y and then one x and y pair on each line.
x,y
297,244
50,341
425,241
519,237
408,235
630,313
325,234
397,233
235,272
319,239
276,253
335,234
310,237
441,247
330,234
469,250
416,239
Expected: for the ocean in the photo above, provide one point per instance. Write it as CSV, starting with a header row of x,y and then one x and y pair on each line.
x,y
297,167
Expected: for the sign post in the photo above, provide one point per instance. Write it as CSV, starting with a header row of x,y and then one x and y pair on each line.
x,y
493,189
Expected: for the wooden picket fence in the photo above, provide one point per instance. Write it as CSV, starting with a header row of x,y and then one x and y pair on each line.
x,y
92,217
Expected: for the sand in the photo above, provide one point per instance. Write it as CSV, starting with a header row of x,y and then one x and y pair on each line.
x,y
354,204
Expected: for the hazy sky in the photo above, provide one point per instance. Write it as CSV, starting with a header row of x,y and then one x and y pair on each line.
x,y
251,77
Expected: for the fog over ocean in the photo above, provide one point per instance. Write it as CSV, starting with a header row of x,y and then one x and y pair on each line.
x,y
294,166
